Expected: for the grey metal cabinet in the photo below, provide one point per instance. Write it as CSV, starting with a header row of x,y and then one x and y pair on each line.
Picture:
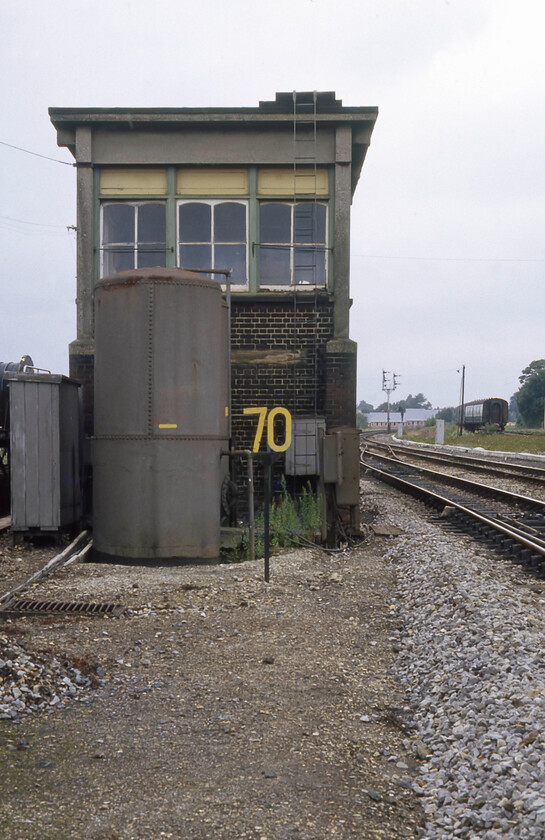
x,y
45,452
303,455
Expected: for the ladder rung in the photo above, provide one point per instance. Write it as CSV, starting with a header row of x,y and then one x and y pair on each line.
x,y
304,131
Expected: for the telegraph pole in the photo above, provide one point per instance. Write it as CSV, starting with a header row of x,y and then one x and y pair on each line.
x,y
389,384
462,400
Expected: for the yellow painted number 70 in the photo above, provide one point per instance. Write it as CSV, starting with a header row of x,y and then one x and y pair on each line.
x,y
262,410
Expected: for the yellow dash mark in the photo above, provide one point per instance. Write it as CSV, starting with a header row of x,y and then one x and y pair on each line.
x,y
168,425
227,411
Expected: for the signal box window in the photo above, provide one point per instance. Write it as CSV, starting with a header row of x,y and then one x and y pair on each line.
x,y
293,243
133,236
213,234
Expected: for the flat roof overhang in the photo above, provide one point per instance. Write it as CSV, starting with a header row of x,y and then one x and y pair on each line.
x,y
277,114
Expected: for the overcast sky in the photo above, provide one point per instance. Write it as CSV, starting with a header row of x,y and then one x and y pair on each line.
x,y
448,222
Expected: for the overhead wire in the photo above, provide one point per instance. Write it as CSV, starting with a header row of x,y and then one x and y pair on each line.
x,y
35,154
28,228
449,259
37,224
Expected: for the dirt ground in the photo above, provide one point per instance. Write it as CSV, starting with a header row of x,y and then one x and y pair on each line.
x,y
224,707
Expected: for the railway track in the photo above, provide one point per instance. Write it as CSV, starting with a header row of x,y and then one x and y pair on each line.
x,y
507,467
515,523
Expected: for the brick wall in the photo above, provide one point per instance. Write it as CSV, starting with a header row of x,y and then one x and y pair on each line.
x,y
278,358
284,354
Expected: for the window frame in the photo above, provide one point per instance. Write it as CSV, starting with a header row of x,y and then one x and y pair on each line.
x,y
136,246
252,198
212,202
293,244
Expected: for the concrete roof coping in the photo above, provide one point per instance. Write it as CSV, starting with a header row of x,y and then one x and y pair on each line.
x,y
328,108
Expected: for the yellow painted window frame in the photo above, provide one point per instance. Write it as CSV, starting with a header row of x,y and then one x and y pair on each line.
x,y
148,182
273,182
212,182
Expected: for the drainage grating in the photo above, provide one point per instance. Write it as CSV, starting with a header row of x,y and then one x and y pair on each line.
x,y
31,607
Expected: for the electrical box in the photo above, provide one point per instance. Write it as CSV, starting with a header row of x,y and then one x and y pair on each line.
x,y
342,463
303,456
45,452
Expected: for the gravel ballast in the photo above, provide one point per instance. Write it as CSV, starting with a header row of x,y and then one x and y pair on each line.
x,y
33,683
472,664
393,691
224,707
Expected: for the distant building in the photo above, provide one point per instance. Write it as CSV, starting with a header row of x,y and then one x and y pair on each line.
x,y
413,418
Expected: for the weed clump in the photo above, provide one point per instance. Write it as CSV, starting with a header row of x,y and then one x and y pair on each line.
x,y
289,519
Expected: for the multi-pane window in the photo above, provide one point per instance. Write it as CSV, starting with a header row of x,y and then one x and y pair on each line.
x,y
289,239
293,243
213,234
133,235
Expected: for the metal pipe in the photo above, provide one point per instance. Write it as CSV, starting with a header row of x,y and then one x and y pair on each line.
x,y
247,453
321,485
462,403
266,517
251,516
82,543
229,396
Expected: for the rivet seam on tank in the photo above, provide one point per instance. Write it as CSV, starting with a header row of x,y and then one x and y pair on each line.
x,y
151,290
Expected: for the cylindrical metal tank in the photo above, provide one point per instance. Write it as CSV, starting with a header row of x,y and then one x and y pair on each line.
x,y
160,415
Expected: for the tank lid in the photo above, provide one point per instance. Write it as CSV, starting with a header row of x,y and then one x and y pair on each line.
x,y
178,276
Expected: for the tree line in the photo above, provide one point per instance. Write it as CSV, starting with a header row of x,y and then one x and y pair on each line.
x,y
528,402
526,405
418,401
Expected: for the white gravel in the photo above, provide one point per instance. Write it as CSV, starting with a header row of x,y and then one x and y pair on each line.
x,y
473,668
31,683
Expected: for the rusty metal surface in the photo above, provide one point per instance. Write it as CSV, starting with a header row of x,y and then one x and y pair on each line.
x,y
29,606
160,419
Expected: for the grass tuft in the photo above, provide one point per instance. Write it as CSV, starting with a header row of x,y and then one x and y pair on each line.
x,y
527,440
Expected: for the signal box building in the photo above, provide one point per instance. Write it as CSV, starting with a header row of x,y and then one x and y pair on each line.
x,y
265,191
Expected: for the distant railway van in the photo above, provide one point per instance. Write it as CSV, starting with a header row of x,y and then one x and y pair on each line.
x,y
489,412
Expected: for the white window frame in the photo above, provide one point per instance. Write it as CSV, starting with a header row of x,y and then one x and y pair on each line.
x,y
322,246
212,202
111,246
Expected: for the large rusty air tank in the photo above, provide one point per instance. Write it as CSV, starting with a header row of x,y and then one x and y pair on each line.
x,y
160,415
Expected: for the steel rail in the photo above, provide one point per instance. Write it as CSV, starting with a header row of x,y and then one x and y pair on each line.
x,y
466,483
531,472
535,546
71,554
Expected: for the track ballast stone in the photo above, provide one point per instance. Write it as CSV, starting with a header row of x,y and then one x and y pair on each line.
x,y
29,683
472,665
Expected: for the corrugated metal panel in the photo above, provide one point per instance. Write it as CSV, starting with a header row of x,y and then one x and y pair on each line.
x,y
44,452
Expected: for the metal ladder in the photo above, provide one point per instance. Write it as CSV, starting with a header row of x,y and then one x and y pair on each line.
x,y
305,177
305,183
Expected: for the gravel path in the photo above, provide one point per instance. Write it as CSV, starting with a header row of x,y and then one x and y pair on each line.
x,y
226,708
395,691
